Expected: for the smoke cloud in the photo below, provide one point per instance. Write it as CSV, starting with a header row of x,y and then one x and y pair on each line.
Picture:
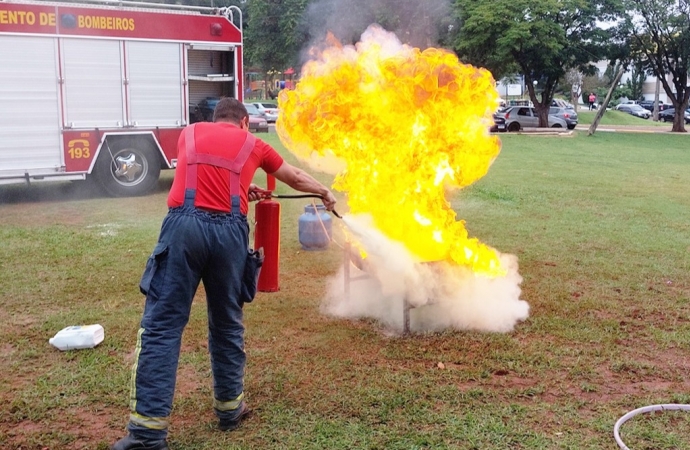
x,y
416,23
442,295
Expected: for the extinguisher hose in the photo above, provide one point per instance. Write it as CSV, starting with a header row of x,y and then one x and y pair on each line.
x,y
335,213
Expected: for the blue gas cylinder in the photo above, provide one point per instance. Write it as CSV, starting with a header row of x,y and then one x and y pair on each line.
x,y
315,228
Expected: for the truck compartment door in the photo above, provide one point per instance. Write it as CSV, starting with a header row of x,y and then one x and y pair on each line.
x,y
93,83
29,105
155,83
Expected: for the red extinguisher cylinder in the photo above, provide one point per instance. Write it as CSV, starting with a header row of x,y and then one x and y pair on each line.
x,y
267,235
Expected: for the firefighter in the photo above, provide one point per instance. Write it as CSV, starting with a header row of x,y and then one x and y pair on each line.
x,y
204,236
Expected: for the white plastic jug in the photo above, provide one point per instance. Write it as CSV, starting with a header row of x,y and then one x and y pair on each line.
x,y
82,336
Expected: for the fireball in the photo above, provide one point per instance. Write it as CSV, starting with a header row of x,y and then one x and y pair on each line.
x,y
408,127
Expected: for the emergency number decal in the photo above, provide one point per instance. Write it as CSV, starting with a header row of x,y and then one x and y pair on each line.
x,y
80,147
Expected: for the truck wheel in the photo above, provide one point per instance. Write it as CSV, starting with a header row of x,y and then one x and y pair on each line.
x,y
127,167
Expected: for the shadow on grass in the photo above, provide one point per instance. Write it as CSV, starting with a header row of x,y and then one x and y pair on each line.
x,y
59,191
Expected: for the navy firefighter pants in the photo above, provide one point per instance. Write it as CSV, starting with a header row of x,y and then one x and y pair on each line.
x,y
193,246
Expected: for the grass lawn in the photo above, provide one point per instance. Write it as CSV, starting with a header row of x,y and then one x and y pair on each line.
x,y
601,227
612,117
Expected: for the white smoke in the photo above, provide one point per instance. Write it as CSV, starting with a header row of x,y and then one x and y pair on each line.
x,y
416,23
442,295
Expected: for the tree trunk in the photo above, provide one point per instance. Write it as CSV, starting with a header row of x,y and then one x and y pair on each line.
x,y
543,117
575,98
678,123
542,107
679,119
605,103
680,103
655,113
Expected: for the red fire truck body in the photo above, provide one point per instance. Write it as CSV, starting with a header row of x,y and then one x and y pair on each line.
x,y
100,91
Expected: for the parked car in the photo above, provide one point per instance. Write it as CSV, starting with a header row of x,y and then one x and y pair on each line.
x,y
668,115
649,105
567,114
562,104
203,112
519,117
634,110
257,120
499,124
270,111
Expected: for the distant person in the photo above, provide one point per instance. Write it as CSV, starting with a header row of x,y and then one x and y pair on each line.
x,y
204,237
592,101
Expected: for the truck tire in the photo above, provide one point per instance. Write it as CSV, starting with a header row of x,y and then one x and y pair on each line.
x,y
127,167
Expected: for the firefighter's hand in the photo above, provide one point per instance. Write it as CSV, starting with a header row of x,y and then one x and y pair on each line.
x,y
329,201
256,193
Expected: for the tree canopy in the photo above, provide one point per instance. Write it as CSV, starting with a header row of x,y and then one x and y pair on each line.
x,y
540,39
660,31
273,36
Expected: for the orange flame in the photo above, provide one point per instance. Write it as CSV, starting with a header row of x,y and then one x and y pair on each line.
x,y
408,124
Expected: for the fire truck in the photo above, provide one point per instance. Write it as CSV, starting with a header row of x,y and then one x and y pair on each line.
x,y
102,90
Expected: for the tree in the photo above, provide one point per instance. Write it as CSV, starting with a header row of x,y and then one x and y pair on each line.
x,y
540,39
637,78
660,30
273,35
280,30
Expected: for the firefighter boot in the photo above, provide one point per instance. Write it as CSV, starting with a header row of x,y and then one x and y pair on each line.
x,y
233,424
129,442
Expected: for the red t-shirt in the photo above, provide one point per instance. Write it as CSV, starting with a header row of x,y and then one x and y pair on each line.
x,y
213,183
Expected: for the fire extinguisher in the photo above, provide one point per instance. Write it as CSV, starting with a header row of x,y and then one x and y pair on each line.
x,y
267,235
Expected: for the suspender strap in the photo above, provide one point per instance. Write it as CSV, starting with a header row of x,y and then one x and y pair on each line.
x,y
190,181
213,160
240,159
234,166
244,153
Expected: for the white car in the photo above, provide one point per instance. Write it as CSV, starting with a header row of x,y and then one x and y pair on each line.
x,y
519,117
269,110
634,110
